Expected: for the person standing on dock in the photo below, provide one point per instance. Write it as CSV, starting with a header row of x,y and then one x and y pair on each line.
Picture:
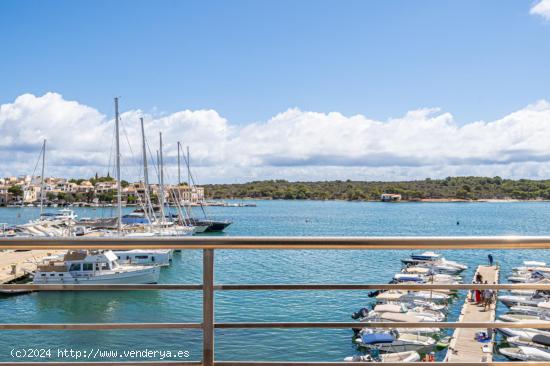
x,y
490,256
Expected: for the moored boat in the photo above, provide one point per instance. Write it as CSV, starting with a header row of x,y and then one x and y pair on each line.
x,y
93,267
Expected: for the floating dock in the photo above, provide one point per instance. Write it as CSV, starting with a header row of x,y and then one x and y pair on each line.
x,y
463,346
16,265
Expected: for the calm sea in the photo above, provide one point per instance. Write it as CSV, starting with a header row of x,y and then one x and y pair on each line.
x,y
268,218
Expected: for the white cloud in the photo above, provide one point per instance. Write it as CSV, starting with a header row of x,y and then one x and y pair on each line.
x,y
295,144
542,8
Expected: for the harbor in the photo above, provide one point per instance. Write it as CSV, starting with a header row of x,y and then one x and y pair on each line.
x,y
278,267
464,347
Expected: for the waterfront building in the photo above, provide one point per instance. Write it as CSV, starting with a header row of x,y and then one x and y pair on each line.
x,y
390,197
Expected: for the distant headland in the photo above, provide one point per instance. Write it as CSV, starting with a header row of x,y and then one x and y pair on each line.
x,y
450,189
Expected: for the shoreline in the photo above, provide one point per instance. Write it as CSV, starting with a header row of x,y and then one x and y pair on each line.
x,y
422,200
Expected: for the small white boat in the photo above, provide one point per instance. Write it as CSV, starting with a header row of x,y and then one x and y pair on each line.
x,y
415,303
539,341
399,295
522,353
404,309
524,318
426,278
411,356
394,341
93,267
511,300
522,332
408,317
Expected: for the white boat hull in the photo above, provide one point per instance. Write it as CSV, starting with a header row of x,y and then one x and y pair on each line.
x,y
139,276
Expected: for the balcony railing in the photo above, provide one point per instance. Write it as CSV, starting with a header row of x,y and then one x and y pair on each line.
x,y
208,287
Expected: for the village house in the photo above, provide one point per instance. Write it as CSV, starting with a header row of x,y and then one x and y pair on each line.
x,y
4,195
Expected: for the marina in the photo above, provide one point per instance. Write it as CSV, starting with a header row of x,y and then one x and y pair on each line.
x,y
279,267
464,347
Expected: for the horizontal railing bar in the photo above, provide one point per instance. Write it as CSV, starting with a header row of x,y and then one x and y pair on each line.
x,y
402,286
103,287
236,242
337,325
97,326
274,287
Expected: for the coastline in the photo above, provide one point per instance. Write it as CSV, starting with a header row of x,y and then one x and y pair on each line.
x,y
422,200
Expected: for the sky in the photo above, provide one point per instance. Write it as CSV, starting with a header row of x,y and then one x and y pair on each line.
x,y
297,90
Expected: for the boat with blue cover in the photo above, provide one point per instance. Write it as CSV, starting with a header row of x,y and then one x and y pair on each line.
x,y
393,341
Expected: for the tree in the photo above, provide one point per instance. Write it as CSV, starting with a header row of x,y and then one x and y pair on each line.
x,y
16,191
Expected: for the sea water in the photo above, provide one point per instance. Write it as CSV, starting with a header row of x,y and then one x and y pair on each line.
x,y
281,218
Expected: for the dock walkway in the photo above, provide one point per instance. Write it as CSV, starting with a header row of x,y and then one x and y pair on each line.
x,y
463,346
24,261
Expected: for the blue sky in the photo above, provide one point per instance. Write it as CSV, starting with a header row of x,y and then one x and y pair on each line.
x,y
294,90
249,60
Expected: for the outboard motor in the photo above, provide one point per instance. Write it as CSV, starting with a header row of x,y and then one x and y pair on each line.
x,y
374,293
360,314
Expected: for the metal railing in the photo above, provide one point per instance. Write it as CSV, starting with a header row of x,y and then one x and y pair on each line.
x,y
208,286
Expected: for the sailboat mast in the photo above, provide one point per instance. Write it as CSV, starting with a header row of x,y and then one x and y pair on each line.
x,y
118,184
161,198
145,170
188,169
179,165
42,177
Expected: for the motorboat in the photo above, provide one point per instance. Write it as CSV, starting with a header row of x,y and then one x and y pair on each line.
x,y
431,259
524,318
159,257
415,303
411,356
403,308
393,341
529,277
523,353
539,341
408,317
522,332
422,257
435,278
93,267
534,300
529,310
400,295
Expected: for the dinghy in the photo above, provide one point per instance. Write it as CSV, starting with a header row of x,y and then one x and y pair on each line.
x,y
411,356
511,300
523,318
412,295
396,342
522,353
539,341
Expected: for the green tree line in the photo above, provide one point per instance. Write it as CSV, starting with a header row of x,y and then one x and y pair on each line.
x,y
468,188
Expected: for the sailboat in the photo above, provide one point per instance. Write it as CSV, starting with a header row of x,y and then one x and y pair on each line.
x,y
210,224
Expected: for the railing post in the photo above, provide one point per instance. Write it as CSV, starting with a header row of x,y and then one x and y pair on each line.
x,y
208,307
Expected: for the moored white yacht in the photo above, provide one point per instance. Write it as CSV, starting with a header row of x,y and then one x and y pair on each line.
x,y
93,267
159,257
